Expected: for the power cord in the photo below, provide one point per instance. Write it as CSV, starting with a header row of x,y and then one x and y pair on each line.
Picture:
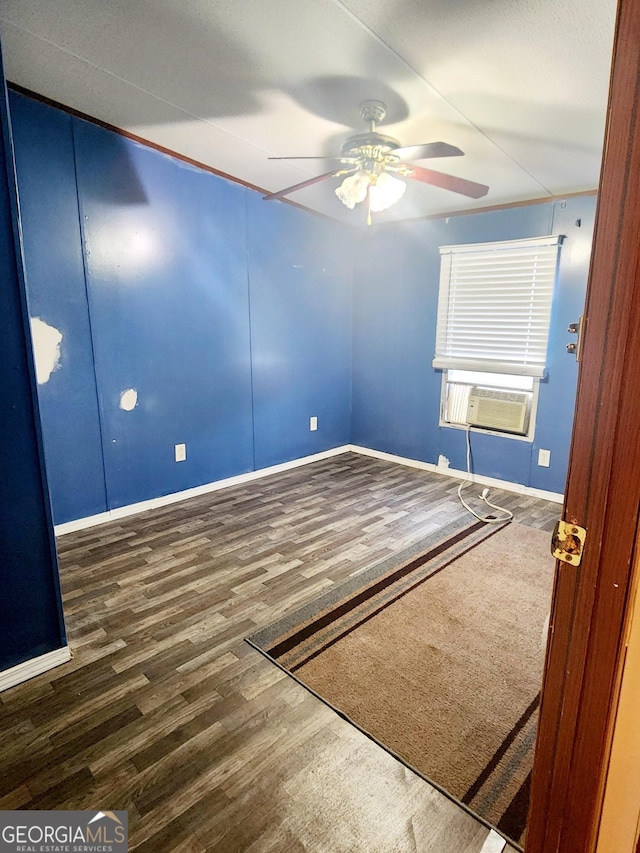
x,y
484,496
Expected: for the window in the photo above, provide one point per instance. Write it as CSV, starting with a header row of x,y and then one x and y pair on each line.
x,y
494,306
492,331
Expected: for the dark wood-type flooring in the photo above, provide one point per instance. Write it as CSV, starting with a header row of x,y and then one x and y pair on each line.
x,y
166,712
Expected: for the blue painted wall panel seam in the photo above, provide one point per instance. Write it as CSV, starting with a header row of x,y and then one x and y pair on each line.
x,y
251,350
352,251
86,290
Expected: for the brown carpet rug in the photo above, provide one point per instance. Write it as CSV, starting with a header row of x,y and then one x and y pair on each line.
x,y
438,655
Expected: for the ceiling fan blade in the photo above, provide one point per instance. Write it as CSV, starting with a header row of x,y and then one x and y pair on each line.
x,y
308,183
429,149
447,182
305,158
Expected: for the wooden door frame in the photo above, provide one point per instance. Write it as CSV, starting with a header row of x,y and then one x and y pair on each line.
x,y
589,606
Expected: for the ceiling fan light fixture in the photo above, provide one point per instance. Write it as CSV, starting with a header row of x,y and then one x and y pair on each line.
x,y
385,192
353,189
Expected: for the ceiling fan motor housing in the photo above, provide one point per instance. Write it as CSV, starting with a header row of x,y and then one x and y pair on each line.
x,y
370,146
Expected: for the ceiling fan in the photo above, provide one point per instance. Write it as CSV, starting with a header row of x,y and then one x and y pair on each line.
x,y
369,163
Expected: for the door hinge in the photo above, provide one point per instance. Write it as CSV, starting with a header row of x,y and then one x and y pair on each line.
x,y
576,329
567,542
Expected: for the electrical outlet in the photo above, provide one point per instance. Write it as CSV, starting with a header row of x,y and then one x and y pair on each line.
x,y
181,452
544,458
313,424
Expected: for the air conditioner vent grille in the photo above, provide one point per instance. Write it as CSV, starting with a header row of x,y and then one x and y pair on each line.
x,y
494,408
499,394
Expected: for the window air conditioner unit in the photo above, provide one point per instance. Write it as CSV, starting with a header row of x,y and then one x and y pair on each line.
x,y
494,408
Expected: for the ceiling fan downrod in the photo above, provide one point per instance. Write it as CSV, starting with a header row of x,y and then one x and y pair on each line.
x,y
372,112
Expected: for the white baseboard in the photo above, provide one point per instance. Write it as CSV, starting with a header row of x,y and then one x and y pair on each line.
x,y
36,666
518,488
143,506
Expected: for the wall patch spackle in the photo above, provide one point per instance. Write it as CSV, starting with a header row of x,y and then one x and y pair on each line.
x,y
46,349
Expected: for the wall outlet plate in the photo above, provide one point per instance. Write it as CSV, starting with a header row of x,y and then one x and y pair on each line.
x,y
180,452
313,424
544,458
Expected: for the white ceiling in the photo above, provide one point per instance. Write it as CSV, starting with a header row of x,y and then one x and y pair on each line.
x,y
519,85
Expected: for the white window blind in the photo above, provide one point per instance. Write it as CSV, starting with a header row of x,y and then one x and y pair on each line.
x,y
494,305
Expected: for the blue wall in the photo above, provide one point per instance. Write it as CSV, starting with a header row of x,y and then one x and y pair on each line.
x,y
300,331
168,302
396,392
30,604
57,294
236,321
229,316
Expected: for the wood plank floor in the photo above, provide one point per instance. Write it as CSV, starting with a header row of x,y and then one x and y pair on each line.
x,y
166,712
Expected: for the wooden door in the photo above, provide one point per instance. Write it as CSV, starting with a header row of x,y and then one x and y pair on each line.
x,y
603,493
